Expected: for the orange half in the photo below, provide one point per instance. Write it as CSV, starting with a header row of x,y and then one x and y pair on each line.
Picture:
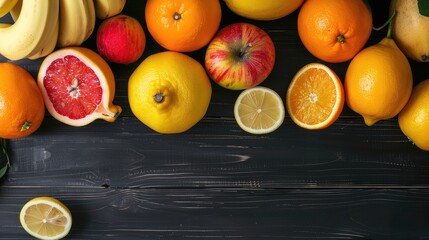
x,y
315,97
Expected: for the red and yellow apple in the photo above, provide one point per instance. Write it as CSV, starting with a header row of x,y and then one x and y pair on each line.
x,y
240,56
120,39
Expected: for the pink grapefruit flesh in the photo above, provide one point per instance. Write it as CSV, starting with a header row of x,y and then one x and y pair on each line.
x,y
78,86
73,88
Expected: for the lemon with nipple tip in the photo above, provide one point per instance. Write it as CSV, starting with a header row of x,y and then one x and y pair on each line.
x,y
169,92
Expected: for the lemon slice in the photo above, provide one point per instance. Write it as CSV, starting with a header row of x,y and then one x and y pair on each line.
x,y
259,110
46,218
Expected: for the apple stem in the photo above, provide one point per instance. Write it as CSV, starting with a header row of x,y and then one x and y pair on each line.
x,y
244,49
159,97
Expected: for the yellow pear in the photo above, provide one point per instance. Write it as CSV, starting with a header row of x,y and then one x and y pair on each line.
x,y
411,29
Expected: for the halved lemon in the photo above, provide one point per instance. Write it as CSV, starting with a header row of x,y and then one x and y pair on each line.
x,y
46,218
259,110
315,97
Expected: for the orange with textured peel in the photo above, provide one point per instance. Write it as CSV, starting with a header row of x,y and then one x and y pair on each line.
x,y
21,104
183,25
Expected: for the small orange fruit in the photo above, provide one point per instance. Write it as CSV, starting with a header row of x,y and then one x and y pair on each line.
x,y
378,81
183,25
334,30
78,86
21,104
414,117
315,97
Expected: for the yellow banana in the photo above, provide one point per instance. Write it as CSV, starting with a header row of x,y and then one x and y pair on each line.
x,y
26,37
49,42
14,12
108,8
77,22
6,6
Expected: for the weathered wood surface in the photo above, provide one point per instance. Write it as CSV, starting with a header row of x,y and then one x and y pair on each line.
x,y
123,181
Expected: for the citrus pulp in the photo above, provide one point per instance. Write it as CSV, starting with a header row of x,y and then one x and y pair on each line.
x,y
259,110
46,218
315,97
78,86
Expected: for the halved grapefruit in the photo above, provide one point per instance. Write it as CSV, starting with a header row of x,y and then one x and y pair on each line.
x,y
78,86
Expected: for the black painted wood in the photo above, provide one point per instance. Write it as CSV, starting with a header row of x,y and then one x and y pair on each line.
x,y
123,181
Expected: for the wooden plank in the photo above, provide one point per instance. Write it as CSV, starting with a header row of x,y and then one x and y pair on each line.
x,y
235,213
216,153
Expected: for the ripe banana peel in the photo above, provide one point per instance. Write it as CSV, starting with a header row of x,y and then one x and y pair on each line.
x,y
23,38
108,8
42,25
77,22
6,6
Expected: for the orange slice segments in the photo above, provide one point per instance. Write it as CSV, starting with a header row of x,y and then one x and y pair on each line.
x,y
315,97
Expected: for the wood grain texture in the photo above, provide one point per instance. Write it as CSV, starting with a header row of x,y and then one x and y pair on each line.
x,y
231,214
121,180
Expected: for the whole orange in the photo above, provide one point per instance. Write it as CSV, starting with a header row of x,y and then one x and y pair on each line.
x,y
21,103
183,25
334,30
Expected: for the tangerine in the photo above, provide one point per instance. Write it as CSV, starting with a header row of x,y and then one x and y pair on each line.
x,y
334,30
183,25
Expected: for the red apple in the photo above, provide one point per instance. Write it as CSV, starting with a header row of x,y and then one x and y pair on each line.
x,y
240,56
120,39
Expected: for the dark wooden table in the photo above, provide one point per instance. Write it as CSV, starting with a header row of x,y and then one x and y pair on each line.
x,y
123,181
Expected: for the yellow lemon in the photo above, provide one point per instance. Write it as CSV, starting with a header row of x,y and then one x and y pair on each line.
x,y
46,218
169,92
414,117
263,9
259,110
378,82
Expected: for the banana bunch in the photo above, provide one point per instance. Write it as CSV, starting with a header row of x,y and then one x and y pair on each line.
x,y
40,26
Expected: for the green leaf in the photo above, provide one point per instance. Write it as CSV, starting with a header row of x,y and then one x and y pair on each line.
x,y
424,7
367,4
3,171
